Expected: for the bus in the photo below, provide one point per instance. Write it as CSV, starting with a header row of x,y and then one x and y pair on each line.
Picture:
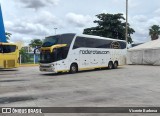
x,y
72,52
9,56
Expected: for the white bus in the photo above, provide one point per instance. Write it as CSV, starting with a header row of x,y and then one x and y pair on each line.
x,y
72,53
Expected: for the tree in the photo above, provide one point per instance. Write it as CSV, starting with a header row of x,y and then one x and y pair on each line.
x,y
35,43
110,25
8,35
154,32
24,55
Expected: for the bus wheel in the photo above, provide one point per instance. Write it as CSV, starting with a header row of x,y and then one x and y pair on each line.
x,y
110,65
73,68
115,66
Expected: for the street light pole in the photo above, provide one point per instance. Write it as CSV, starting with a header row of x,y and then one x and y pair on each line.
x,y
127,21
55,30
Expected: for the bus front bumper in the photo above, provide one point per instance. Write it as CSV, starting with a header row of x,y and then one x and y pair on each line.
x,y
47,69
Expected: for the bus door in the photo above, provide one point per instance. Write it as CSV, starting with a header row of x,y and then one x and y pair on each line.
x,y
60,55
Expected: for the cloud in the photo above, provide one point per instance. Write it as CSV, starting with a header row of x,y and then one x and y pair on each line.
x,y
141,24
79,20
40,25
25,31
37,4
47,19
157,12
26,28
133,3
140,18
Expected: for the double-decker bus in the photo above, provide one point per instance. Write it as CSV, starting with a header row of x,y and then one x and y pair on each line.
x,y
72,53
9,56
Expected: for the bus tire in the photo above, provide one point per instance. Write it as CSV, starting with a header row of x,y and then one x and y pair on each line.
x,y
110,65
115,65
73,68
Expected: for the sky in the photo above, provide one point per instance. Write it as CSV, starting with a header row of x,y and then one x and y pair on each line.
x,y
30,19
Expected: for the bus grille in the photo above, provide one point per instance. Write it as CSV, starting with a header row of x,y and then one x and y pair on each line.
x,y
9,64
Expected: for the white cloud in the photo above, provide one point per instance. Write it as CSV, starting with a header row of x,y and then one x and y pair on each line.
x,y
140,18
157,12
36,4
79,20
38,26
25,23
47,19
141,25
133,3
25,28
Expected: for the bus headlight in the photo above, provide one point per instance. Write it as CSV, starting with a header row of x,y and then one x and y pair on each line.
x,y
52,65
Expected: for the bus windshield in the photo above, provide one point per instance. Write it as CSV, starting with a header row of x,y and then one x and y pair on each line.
x,y
49,41
58,53
58,39
7,48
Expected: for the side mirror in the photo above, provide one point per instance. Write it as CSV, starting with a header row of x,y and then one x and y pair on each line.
x,y
36,49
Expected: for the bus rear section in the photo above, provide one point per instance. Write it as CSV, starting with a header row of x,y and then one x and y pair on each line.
x,y
72,53
92,52
9,56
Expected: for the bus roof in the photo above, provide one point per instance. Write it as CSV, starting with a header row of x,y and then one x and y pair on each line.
x,y
90,36
98,37
7,43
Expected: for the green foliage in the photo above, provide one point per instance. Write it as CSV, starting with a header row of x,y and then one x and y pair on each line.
x,y
8,35
111,26
24,55
154,32
35,43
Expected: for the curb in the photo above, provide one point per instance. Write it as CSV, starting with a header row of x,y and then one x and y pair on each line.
x,y
28,65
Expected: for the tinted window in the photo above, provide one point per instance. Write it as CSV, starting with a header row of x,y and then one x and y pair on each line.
x,y
1,49
8,48
90,43
98,43
79,42
46,57
123,45
118,45
49,41
66,39
101,43
58,39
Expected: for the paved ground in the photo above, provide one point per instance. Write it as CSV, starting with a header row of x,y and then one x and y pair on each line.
x,y
127,86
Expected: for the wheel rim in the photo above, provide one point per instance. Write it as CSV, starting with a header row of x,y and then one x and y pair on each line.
x,y
110,65
115,65
73,69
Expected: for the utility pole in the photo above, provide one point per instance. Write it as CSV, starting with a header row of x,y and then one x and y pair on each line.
x,y
55,30
126,21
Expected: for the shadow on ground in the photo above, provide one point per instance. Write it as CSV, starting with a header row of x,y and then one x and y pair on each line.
x,y
85,71
7,100
3,81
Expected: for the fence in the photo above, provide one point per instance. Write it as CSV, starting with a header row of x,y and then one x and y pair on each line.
x,y
29,58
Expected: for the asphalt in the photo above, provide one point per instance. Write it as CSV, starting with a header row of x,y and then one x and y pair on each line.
x,y
128,86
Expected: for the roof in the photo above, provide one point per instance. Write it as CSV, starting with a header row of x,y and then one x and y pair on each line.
x,y
99,37
91,36
155,44
7,43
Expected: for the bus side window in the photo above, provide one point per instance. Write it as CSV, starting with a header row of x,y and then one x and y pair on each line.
x,y
90,42
123,45
79,42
